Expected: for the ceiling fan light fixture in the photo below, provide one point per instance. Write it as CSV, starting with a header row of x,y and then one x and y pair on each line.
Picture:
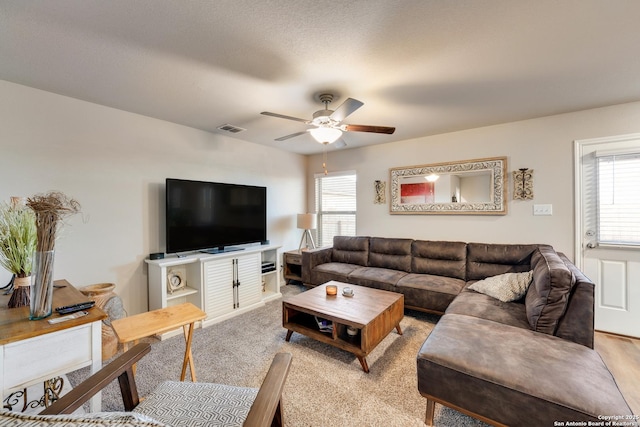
x,y
326,134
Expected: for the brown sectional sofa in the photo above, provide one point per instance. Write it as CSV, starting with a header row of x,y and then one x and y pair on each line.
x,y
526,362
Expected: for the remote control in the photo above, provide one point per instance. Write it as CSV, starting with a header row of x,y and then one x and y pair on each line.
x,y
75,307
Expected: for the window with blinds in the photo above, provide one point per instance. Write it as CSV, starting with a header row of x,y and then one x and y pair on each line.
x,y
618,214
335,205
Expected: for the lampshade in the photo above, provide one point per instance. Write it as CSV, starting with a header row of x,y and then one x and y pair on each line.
x,y
326,134
307,221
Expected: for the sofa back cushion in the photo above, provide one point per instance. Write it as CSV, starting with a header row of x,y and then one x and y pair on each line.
x,y
351,250
394,254
548,295
487,259
439,258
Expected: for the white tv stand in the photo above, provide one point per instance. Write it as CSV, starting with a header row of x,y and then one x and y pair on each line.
x,y
212,282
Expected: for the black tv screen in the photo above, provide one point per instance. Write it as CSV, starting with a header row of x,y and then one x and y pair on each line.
x,y
212,215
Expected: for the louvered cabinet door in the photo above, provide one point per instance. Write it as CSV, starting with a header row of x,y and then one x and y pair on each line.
x,y
250,278
218,287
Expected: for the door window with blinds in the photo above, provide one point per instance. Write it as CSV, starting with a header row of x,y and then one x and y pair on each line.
x,y
335,205
618,198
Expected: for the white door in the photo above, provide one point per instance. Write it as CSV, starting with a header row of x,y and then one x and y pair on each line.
x,y
608,228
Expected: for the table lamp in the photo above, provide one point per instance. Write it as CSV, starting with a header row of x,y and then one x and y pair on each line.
x,y
306,222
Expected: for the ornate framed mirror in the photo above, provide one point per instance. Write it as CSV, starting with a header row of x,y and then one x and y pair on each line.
x,y
464,187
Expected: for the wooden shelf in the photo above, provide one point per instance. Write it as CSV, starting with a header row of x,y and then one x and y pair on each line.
x,y
305,324
266,273
181,293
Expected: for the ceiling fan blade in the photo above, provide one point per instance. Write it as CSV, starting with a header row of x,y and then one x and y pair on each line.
x,y
282,116
347,107
366,128
293,135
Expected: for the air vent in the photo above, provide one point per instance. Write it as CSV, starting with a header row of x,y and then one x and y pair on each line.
x,y
231,128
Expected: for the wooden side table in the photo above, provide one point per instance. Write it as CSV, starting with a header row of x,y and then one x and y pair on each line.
x,y
133,328
293,266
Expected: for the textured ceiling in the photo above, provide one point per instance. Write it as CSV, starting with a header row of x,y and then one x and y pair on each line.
x,y
425,67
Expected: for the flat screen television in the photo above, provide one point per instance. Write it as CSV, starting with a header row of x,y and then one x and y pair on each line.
x,y
213,216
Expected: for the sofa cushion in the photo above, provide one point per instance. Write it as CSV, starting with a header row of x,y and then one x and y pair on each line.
x,y
375,277
394,254
351,250
483,306
439,258
324,273
486,259
548,295
505,287
515,376
428,291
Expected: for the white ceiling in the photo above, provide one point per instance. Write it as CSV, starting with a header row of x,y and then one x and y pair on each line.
x,y
423,66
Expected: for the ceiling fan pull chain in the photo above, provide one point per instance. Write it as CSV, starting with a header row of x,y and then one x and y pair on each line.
x,y
324,158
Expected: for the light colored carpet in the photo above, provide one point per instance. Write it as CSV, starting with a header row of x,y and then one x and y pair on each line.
x,y
326,386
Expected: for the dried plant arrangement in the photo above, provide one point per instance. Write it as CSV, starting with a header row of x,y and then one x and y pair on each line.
x,y
17,244
50,210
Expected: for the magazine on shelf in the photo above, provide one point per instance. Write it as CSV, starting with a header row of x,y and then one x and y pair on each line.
x,y
324,325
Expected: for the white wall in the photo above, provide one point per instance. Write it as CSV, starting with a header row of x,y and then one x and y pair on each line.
x,y
544,144
115,163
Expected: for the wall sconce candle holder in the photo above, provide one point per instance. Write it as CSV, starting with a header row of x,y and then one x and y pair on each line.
x,y
523,184
380,187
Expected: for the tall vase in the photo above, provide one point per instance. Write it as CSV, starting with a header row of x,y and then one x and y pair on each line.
x,y
41,285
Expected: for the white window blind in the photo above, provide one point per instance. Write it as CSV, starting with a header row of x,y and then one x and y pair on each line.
x,y
335,205
619,199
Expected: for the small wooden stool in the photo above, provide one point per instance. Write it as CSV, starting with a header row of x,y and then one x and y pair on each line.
x,y
160,321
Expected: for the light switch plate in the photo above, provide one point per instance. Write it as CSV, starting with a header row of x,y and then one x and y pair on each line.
x,y
543,209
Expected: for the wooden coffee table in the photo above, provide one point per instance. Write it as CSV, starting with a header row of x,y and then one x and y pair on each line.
x,y
372,312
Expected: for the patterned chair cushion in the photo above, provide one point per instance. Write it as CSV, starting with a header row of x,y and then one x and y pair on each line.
x,y
188,404
98,419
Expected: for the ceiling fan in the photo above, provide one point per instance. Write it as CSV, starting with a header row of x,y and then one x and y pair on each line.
x,y
328,123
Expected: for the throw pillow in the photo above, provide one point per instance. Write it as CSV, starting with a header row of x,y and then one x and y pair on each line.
x,y
505,287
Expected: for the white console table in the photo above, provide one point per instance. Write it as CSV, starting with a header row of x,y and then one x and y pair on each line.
x,y
33,351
